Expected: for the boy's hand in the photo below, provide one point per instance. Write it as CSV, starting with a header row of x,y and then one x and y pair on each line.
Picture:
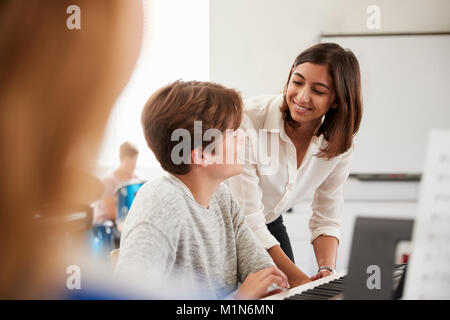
x,y
256,284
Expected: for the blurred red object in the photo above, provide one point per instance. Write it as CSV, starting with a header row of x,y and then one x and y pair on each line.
x,y
405,258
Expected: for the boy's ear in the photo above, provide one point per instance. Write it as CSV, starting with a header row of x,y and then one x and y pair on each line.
x,y
208,158
197,157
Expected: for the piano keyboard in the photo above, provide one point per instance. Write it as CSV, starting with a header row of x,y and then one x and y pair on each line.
x,y
307,291
327,288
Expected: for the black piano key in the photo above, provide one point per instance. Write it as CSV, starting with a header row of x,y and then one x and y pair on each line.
x,y
326,294
331,290
298,297
341,289
337,281
329,293
325,286
333,285
330,284
312,296
319,295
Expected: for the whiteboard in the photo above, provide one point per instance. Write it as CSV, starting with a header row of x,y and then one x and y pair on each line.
x,y
406,92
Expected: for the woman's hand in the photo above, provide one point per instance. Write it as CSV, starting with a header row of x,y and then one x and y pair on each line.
x,y
322,273
256,284
299,282
295,276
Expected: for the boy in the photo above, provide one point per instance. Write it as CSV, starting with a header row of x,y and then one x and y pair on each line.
x,y
187,225
106,207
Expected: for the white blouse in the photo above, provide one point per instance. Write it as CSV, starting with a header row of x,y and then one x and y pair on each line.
x,y
264,195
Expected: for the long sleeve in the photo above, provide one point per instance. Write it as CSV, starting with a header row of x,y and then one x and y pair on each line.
x,y
248,192
147,247
251,255
329,199
145,252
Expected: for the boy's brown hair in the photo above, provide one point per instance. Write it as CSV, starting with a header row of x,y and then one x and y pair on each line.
x,y
177,105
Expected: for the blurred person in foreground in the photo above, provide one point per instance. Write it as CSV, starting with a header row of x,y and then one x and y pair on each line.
x,y
57,88
106,208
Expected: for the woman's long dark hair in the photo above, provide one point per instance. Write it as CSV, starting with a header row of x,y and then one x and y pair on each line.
x,y
341,123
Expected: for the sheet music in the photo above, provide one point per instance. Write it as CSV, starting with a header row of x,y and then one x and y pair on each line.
x,y
428,274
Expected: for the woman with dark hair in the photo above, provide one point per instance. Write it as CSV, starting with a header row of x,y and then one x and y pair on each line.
x,y
313,123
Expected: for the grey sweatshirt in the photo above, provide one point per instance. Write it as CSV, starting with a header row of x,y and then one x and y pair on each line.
x,y
170,238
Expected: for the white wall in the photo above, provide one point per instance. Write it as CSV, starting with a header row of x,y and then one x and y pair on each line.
x,y
254,42
398,16
405,95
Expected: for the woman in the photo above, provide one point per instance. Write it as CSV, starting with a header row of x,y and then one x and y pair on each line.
x,y
313,123
57,88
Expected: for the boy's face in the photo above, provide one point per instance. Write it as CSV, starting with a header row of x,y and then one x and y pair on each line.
x,y
129,163
227,162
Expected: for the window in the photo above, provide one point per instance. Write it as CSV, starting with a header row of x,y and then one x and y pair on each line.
x,y
175,46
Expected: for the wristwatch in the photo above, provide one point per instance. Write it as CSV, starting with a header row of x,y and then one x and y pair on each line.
x,y
326,268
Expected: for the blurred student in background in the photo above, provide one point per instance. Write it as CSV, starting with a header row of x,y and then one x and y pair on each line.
x,y
106,208
57,88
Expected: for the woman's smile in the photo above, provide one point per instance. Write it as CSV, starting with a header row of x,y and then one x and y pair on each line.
x,y
310,92
301,109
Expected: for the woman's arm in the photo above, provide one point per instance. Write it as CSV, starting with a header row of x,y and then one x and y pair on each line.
x,y
252,255
295,275
325,248
327,208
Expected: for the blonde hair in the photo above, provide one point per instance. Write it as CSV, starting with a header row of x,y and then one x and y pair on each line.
x,y
57,87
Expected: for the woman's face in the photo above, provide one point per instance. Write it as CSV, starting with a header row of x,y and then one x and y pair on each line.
x,y
310,92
